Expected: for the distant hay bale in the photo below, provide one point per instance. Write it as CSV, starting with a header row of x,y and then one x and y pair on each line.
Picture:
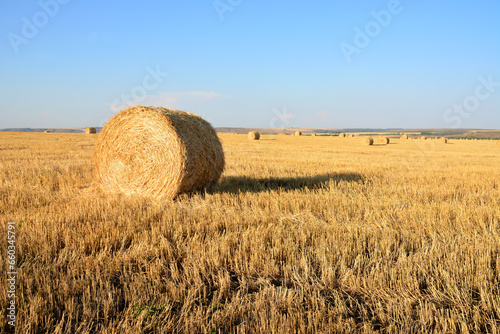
x,y
443,140
46,131
423,138
368,140
383,140
404,137
157,153
298,133
90,130
352,135
253,135
313,135
342,135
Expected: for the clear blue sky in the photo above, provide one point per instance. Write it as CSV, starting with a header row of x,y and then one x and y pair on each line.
x,y
253,63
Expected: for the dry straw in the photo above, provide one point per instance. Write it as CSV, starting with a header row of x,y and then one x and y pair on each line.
x,y
253,135
46,131
313,135
498,142
404,137
342,135
383,140
423,138
90,130
157,153
443,140
298,133
368,140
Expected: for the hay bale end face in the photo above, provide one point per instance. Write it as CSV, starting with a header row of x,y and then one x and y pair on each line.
x,y
298,133
368,140
90,130
157,153
253,135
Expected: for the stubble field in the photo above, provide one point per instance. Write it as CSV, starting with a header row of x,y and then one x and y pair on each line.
x,y
302,234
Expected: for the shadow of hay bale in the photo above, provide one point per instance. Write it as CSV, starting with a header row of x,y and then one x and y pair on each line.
x,y
239,184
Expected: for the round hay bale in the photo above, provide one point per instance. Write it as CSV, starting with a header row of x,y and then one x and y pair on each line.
x,y
90,130
253,135
298,133
443,140
383,140
352,135
423,138
404,137
157,153
313,135
368,140
46,131
342,135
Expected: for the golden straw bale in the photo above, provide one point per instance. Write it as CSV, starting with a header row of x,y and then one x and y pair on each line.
x,y
90,130
313,135
423,138
253,135
443,140
368,140
342,135
298,133
46,131
383,140
157,153
404,137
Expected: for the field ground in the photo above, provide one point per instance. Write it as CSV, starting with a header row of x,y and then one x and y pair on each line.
x,y
303,234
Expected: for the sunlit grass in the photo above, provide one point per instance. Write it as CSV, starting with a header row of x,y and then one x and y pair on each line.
x,y
302,234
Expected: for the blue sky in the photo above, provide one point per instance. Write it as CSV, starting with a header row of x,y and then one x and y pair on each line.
x,y
242,63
